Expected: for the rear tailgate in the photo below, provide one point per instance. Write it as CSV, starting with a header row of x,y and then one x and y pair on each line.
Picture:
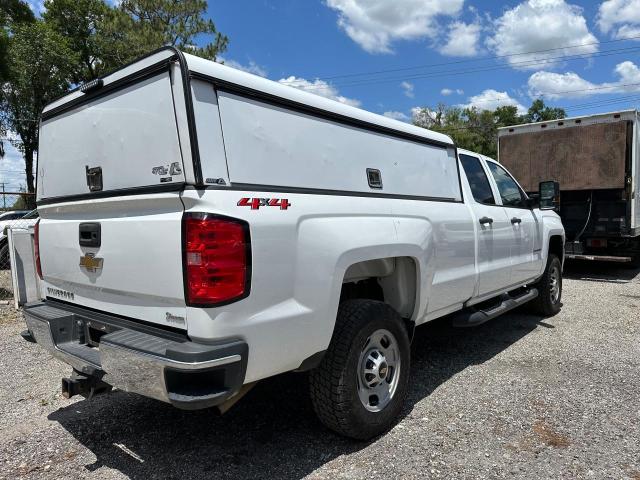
x,y
110,172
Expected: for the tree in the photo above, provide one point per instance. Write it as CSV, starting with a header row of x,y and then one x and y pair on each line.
x,y
477,130
79,40
178,23
41,64
11,12
507,115
539,112
469,128
79,22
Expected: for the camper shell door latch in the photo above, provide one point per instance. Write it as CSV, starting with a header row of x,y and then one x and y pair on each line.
x,y
94,178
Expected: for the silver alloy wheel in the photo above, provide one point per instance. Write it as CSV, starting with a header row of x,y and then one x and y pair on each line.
x,y
378,370
554,284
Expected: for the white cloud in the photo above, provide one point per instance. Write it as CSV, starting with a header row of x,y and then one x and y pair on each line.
x,y
620,18
546,83
424,117
319,87
407,89
491,99
448,91
462,40
252,67
397,116
376,24
571,85
536,25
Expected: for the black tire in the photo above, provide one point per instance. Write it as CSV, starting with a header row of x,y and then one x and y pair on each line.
x,y
334,384
4,257
635,262
546,304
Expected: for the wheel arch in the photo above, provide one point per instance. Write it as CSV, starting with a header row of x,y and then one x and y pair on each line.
x,y
392,280
556,247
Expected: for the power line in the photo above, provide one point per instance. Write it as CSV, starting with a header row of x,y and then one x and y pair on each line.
x,y
494,57
542,94
445,73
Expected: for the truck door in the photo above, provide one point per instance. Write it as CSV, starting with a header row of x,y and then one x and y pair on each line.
x,y
526,254
494,229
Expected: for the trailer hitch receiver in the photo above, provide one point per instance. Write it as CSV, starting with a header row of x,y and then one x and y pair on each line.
x,y
85,385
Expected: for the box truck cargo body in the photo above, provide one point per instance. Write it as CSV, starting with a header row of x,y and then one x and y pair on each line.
x,y
595,160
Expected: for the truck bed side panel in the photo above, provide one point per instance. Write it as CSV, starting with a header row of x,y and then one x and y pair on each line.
x,y
300,256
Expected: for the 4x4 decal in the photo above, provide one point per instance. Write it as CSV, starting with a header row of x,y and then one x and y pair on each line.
x,y
256,203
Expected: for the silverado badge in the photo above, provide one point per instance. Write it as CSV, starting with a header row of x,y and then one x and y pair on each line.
x,y
91,262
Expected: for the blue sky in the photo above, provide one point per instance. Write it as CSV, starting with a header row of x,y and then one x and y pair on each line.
x,y
452,44
391,56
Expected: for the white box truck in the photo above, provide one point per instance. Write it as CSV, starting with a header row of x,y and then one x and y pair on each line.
x,y
202,229
596,161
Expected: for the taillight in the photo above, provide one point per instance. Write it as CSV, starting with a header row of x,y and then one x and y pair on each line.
x,y
217,259
36,247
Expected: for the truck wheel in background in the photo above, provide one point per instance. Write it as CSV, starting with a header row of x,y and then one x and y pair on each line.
x,y
4,257
359,388
635,262
549,300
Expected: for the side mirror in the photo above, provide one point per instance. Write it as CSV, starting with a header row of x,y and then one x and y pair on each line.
x,y
532,201
549,195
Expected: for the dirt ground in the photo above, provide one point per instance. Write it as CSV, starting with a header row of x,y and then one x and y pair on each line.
x,y
519,397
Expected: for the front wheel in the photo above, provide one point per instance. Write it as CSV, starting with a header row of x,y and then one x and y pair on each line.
x,y
549,288
359,388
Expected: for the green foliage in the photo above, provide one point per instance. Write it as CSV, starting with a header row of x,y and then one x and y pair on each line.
x,y
12,12
171,22
79,40
477,130
23,202
539,112
106,38
41,64
79,22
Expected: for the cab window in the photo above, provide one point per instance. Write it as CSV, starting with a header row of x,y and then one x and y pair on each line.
x,y
510,192
480,186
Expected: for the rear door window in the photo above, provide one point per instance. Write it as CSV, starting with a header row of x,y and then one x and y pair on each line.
x,y
480,186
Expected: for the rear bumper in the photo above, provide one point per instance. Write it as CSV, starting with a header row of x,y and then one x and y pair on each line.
x,y
137,358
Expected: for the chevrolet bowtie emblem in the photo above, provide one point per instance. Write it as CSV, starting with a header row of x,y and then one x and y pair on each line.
x,y
91,262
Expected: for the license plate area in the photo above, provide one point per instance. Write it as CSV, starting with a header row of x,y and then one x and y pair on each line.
x,y
597,243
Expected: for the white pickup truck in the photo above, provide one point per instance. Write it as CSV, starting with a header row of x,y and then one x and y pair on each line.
x,y
202,229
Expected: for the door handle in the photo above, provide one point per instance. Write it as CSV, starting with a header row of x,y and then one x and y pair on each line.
x,y
515,220
485,220
89,234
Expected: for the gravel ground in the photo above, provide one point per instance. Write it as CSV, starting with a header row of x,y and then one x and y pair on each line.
x,y
519,397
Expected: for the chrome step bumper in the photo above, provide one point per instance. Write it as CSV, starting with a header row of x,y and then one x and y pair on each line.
x,y
138,358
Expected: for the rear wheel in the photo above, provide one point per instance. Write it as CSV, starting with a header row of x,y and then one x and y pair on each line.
x,y
548,303
359,388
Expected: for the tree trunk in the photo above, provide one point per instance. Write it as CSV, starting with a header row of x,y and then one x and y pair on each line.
x,y
28,166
